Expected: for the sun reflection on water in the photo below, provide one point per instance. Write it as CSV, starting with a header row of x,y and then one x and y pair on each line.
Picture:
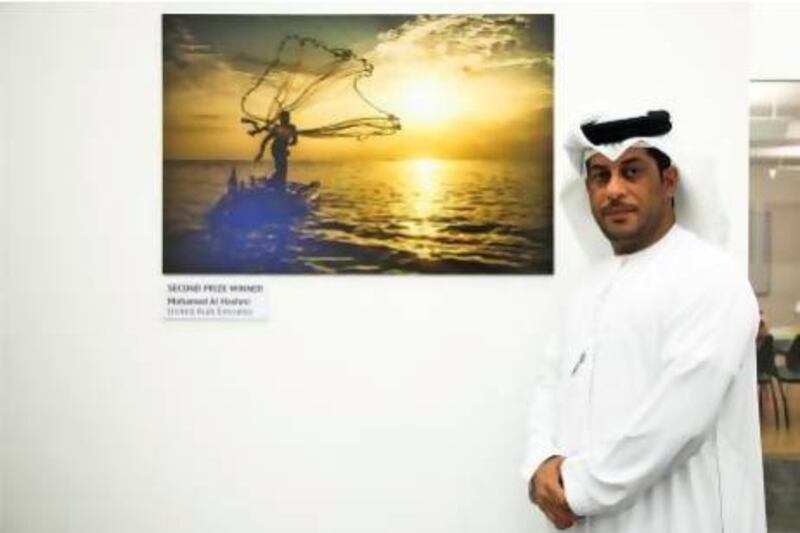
x,y
425,185
424,191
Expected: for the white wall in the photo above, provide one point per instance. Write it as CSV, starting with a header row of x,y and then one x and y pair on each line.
x,y
775,41
365,403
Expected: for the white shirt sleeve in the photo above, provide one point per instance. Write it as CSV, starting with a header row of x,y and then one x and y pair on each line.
x,y
706,337
541,418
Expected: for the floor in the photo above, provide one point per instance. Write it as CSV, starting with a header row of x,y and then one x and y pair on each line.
x,y
782,442
781,448
782,488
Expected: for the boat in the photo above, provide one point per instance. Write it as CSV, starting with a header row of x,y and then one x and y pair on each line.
x,y
261,203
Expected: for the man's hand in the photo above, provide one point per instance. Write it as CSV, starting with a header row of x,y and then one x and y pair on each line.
x,y
547,492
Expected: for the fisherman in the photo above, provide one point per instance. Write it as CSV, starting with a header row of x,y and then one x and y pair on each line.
x,y
648,419
233,182
282,135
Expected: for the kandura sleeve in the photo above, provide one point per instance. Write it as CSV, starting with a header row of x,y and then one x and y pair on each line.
x,y
706,337
541,415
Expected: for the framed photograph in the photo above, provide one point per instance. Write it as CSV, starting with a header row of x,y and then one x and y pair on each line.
x,y
356,144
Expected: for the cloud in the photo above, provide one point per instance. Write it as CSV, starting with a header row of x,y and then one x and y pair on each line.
x,y
181,48
206,116
193,65
247,62
472,43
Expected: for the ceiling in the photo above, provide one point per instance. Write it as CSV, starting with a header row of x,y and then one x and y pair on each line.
x,y
775,122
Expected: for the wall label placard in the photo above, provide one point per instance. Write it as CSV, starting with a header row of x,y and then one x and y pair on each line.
x,y
214,299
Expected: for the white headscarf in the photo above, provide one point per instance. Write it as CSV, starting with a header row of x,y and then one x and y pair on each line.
x,y
697,205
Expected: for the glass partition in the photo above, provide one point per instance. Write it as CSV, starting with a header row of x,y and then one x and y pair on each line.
x,y
775,276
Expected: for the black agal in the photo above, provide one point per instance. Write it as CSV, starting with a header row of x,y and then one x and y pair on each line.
x,y
653,124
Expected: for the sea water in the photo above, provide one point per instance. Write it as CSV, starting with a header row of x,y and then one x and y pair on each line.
x,y
409,216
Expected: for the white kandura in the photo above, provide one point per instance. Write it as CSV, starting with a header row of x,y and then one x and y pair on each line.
x,y
650,394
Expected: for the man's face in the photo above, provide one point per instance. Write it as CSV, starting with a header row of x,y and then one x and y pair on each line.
x,y
631,200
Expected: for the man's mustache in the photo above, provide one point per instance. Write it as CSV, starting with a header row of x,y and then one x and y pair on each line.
x,y
617,207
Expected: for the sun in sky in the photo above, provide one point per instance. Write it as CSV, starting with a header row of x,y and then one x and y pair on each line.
x,y
427,100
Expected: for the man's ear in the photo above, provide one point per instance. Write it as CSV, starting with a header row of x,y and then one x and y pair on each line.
x,y
670,179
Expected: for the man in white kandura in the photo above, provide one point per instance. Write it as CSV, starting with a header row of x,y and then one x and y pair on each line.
x,y
648,422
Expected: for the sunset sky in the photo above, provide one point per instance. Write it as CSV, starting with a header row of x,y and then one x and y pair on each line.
x,y
463,86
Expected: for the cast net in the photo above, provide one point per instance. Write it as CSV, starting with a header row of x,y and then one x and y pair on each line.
x,y
321,84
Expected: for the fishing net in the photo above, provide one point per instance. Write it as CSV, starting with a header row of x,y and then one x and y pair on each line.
x,y
307,74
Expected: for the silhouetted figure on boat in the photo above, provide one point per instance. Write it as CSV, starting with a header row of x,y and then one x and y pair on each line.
x,y
283,135
233,182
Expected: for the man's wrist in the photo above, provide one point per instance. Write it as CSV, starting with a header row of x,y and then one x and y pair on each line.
x,y
535,459
548,459
544,464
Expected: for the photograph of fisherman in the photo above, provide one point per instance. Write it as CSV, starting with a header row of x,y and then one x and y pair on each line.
x,y
358,144
646,417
